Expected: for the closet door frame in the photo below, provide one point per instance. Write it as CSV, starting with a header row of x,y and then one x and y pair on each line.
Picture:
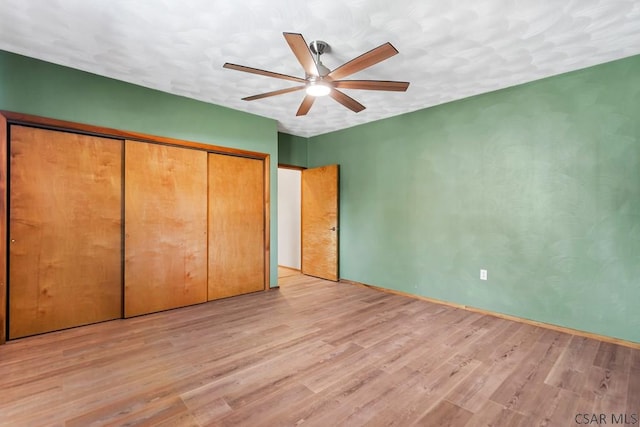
x,y
8,118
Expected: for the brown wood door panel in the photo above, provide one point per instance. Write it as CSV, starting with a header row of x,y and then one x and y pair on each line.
x,y
319,213
320,222
65,230
236,226
4,228
165,227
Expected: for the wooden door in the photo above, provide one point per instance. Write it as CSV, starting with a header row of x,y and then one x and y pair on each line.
x,y
165,227
320,222
236,226
65,230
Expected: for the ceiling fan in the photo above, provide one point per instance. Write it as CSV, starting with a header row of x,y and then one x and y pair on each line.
x,y
320,81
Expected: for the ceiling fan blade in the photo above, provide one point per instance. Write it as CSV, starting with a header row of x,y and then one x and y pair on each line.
x,y
262,72
372,85
273,93
363,61
300,49
347,101
307,102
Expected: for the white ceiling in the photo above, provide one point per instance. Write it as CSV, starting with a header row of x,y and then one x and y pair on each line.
x,y
448,49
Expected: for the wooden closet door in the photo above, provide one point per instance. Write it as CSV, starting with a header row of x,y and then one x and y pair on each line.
x,y
165,227
236,226
65,230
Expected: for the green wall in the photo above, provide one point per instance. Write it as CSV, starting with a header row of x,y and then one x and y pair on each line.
x,y
40,88
292,150
539,184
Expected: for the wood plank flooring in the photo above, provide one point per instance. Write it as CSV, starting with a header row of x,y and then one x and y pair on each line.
x,y
287,272
315,353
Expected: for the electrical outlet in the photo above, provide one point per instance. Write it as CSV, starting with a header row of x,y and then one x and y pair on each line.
x,y
483,274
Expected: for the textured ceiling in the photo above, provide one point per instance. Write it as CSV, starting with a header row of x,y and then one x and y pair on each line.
x,y
448,49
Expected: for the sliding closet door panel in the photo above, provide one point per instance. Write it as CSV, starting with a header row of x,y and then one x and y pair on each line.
x,y
65,230
236,226
165,227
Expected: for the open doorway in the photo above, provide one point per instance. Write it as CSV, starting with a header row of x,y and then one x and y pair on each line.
x,y
289,215
308,221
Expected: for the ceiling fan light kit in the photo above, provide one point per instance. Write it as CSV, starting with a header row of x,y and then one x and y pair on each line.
x,y
320,81
318,88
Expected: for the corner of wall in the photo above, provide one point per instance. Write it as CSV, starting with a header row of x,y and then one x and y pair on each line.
x,y
292,150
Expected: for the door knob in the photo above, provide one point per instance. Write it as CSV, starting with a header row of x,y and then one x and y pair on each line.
x,y
332,229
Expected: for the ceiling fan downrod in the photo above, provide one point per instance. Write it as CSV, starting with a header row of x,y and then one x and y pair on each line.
x,y
318,47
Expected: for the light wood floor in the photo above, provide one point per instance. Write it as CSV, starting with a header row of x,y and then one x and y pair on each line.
x,y
284,272
314,353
